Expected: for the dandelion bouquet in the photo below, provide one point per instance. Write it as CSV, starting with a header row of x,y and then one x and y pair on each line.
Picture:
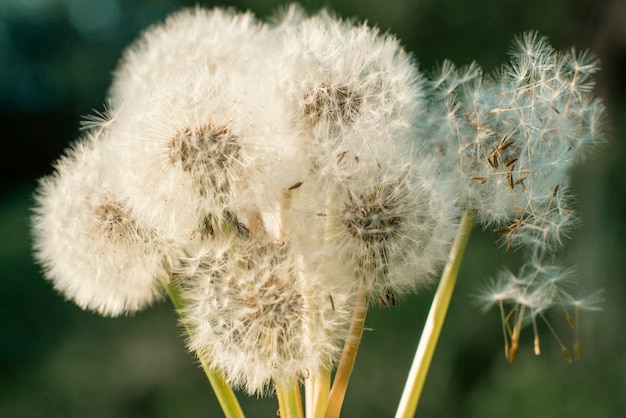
x,y
276,179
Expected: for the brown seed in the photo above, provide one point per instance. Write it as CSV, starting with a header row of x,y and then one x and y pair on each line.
x,y
482,180
295,186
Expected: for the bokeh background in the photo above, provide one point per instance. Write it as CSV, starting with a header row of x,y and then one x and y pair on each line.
x,y
56,59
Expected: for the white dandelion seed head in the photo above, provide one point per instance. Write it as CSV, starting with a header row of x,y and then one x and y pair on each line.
x,y
88,241
213,142
387,229
515,136
353,86
195,37
254,315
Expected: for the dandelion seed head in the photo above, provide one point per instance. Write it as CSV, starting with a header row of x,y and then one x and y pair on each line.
x,y
220,141
354,86
253,317
372,216
90,245
332,105
384,229
206,152
190,38
512,138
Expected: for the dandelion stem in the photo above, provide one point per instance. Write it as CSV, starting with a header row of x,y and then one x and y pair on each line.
x,y
224,393
350,348
317,391
289,401
434,322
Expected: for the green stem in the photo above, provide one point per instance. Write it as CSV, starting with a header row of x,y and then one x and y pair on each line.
x,y
434,323
224,393
289,400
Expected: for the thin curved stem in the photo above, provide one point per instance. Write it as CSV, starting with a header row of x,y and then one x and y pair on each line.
x,y
434,322
224,393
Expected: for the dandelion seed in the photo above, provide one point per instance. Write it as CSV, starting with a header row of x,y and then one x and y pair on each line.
x,y
591,302
295,186
539,286
564,349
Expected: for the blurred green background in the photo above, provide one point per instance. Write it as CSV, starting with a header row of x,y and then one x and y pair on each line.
x,y
56,59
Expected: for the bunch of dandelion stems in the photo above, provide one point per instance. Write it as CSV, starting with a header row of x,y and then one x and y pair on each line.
x,y
328,405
